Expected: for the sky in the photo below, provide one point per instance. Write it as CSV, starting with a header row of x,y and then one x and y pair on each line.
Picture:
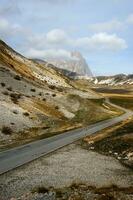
x,y
102,30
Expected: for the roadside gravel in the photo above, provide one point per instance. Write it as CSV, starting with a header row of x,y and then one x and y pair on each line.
x,y
71,164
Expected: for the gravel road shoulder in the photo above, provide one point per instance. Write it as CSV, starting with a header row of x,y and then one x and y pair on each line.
x,y
71,164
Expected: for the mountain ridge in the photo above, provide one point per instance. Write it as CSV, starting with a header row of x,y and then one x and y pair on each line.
x,y
116,80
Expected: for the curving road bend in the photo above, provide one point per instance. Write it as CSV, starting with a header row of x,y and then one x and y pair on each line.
x,y
21,155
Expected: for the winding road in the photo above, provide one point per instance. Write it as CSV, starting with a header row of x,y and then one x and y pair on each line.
x,y
21,155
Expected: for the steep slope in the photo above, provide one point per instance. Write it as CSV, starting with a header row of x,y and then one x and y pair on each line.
x,y
38,101
76,64
31,69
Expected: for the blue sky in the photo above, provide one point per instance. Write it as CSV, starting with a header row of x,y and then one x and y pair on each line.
x,y
100,29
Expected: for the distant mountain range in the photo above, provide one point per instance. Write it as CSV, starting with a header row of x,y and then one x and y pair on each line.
x,y
116,80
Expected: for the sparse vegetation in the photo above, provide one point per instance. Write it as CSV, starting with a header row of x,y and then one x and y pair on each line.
x,y
9,88
60,89
15,111
26,114
53,95
81,191
3,84
42,190
5,93
12,123
116,141
6,130
126,102
15,97
52,87
17,77
32,90
111,91
90,111
57,107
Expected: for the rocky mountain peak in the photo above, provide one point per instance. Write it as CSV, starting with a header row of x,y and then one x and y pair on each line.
x,y
76,63
76,54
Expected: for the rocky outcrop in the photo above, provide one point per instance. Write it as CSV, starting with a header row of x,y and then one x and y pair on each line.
x,y
76,64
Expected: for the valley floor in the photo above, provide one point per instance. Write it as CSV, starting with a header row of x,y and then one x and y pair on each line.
x,y
90,169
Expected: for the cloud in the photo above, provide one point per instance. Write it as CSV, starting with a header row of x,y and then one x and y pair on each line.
x,y
52,44
130,19
102,41
56,36
113,25
50,53
6,29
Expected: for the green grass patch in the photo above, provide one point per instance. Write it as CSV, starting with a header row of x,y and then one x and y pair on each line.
x,y
126,102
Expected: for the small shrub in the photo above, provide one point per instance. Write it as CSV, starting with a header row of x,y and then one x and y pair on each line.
x,y
52,87
11,65
26,114
5,93
15,112
47,93
44,99
17,77
32,90
54,95
60,89
15,97
6,130
42,190
9,88
3,84
56,107
40,94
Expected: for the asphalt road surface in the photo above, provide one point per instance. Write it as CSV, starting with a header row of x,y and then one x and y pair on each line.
x,y
21,155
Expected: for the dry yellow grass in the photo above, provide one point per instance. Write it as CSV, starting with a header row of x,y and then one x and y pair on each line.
x,y
116,95
106,132
35,106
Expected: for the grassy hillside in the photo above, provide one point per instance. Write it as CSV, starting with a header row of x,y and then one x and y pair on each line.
x,y
37,101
